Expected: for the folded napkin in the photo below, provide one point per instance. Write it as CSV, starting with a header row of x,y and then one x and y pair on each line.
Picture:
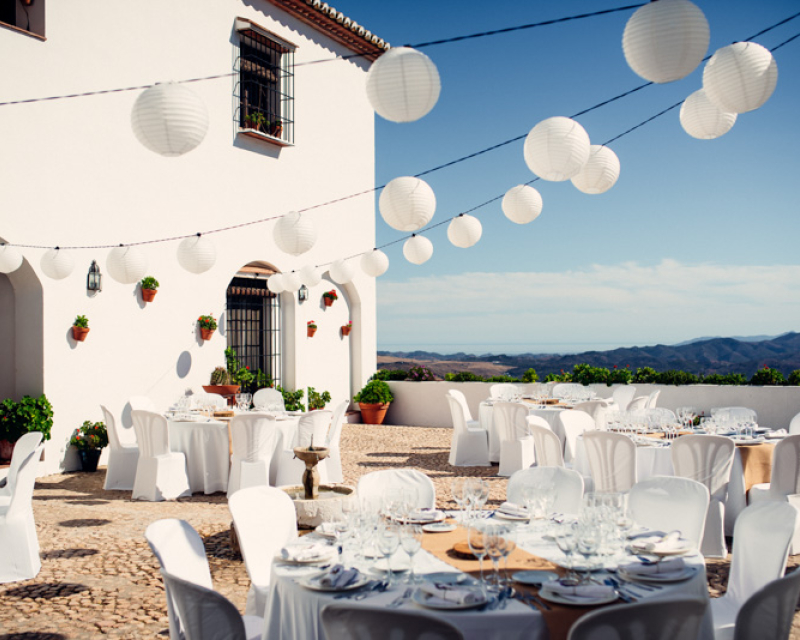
x,y
579,590
438,593
668,543
673,565
423,515
305,552
512,509
327,529
337,577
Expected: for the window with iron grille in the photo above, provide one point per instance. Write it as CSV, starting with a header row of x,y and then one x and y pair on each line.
x,y
23,16
264,84
254,325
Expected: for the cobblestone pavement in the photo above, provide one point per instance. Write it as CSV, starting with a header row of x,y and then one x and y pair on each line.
x,y
99,577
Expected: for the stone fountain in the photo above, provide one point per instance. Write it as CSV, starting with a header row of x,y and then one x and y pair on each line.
x,y
311,456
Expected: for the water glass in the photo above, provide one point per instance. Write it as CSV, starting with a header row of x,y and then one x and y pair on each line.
x,y
458,488
476,539
411,541
387,541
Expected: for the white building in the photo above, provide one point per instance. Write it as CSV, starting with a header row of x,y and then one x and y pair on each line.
x,y
72,174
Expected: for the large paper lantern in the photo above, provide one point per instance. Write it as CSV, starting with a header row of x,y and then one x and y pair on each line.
x,y
403,84
126,264
557,148
600,172
740,77
342,271
294,233
197,254
10,259
310,275
275,283
666,40
375,263
57,264
464,231
522,204
702,119
291,281
418,249
169,119
407,204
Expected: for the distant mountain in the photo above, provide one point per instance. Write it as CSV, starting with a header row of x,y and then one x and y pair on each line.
x,y
709,355
740,338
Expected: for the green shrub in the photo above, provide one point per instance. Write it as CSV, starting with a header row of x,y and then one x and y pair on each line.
x,y
767,377
463,376
586,374
502,378
555,377
374,392
90,435
620,376
676,377
292,400
389,374
724,379
645,375
29,414
794,378
530,376
317,400
420,374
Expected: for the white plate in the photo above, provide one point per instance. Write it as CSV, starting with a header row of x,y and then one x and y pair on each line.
x,y
422,599
507,516
744,442
672,576
313,584
399,565
438,516
684,548
446,577
323,557
575,600
439,527
535,578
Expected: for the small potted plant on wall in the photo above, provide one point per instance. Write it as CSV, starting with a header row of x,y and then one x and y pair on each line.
x,y
311,328
80,328
149,287
90,439
316,400
257,121
347,328
329,297
374,400
207,326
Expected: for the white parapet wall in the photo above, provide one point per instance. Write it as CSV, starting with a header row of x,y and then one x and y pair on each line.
x,y
423,404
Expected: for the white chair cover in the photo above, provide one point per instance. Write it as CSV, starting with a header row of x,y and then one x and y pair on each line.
x,y
734,413
546,444
504,391
200,400
254,438
794,425
330,469
568,487
23,447
312,425
19,559
462,400
575,423
354,622
516,444
596,409
123,455
373,485
160,473
567,389
469,446
667,503
268,398
612,460
661,413
637,404
769,612
142,403
761,540
622,397
658,619
652,400
707,459
265,521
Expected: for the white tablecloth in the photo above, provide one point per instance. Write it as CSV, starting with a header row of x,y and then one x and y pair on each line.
x,y
206,446
550,414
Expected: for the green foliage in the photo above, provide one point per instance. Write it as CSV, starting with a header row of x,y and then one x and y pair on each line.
x,y
389,374
420,374
292,400
237,374
794,378
645,375
562,377
331,294
317,400
374,392
586,374
256,120
90,435
619,375
207,322
463,376
29,414
725,379
81,321
530,376
261,381
502,378
149,282
767,377
220,376
676,377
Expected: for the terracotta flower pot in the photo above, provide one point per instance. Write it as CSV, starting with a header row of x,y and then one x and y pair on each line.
x,y
221,389
328,301
79,333
310,331
206,333
276,130
346,330
149,294
6,449
373,413
89,459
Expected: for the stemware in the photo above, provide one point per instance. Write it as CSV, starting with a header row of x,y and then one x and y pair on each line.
x,y
387,542
476,539
566,541
588,543
507,545
458,488
411,541
478,493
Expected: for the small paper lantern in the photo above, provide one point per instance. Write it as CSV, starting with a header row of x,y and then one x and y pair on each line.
x,y
275,283
600,172
310,275
10,259
294,233
464,231
197,254
169,119
375,263
557,148
740,77
702,119
57,264
522,204
418,249
403,84
126,264
407,204
342,271
291,281
666,40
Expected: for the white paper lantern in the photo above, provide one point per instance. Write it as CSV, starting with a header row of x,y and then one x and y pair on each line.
x,y
557,148
10,259
418,249
375,263
464,231
126,264
403,84
310,275
275,283
291,281
522,204
600,172
666,40
342,271
197,254
294,233
169,119
57,264
407,203
702,119
740,77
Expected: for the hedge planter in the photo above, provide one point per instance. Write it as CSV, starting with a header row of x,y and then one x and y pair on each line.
x,y
80,333
89,459
373,413
149,294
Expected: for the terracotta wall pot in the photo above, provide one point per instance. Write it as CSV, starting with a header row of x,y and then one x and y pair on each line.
x,y
221,389
328,301
310,332
206,333
89,459
276,130
149,294
373,413
79,333
6,449
346,331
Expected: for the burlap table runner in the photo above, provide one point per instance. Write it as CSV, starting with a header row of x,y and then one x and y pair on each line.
x,y
756,463
559,618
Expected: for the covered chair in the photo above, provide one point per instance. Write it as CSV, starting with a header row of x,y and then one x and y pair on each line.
x,y
200,400
254,438
19,559
546,444
470,445
141,403
516,443
312,427
596,409
568,487
575,423
504,391
568,390
374,485
768,613
734,413
160,473
761,539
652,400
638,403
265,521
622,396
27,443
794,425
344,621
612,460
462,400
330,469
123,456
268,399
707,459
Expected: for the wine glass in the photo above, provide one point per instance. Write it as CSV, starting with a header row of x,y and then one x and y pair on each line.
x,y
479,493
476,539
494,539
458,486
387,542
507,545
411,541
566,541
588,542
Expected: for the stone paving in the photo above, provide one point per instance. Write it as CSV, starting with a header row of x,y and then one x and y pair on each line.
x,y
99,577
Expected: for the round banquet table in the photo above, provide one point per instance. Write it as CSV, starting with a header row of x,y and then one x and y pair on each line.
x,y
551,414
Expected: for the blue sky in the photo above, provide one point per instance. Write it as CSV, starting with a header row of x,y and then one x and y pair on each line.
x,y
697,237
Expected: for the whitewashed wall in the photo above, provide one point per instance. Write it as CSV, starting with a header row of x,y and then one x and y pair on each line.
x,y
74,174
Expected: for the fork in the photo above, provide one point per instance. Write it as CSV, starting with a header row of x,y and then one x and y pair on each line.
x,y
399,600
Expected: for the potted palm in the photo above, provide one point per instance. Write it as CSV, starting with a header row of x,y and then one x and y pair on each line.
x,y
149,287
311,328
374,400
90,439
207,326
80,327
329,297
